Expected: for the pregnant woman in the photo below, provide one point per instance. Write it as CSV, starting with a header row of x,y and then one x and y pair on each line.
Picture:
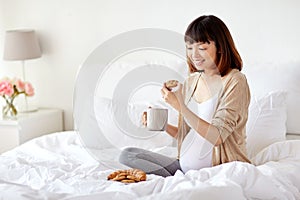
x,y
212,104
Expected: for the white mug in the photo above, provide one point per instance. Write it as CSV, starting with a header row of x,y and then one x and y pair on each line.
x,y
157,119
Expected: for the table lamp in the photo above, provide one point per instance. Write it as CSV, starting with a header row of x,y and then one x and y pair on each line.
x,y
22,45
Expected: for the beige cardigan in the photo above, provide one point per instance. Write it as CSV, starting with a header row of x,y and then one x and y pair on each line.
x,y
230,117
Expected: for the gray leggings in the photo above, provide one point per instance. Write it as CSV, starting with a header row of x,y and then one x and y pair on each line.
x,y
150,162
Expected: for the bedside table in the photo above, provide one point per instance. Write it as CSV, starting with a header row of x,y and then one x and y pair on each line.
x,y
29,125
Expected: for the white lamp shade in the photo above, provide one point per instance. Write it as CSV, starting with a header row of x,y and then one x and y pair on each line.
x,y
21,45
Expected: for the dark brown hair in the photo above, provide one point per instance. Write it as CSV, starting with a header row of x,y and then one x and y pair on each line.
x,y
211,28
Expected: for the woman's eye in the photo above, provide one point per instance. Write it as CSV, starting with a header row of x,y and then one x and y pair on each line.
x,y
202,49
189,48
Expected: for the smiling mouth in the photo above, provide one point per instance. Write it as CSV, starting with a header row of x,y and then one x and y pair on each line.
x,y
198,62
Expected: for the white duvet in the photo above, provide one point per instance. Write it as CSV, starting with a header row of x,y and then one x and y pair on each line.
x,y
57,167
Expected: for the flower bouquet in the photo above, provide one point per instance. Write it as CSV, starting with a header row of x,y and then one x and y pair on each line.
x,y
9,90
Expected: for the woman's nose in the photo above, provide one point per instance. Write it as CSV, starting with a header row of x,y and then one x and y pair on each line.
x,y
196,53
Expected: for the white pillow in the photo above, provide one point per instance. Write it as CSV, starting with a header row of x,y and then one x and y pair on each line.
x,y
274,76
266,121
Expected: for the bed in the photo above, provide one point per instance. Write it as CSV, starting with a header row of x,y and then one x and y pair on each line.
x,y
58,166
71,165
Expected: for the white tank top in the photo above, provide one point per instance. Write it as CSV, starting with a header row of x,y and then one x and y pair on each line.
x,y
196,152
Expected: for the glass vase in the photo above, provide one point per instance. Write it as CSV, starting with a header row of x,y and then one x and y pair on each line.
x,y
9,111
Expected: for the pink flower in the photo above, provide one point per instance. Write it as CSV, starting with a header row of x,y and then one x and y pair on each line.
x,y
6,88
10,89
19,84
29,91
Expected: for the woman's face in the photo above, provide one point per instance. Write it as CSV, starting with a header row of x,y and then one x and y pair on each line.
x,y
203,55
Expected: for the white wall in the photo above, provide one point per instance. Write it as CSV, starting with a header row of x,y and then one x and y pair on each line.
x,y
69,30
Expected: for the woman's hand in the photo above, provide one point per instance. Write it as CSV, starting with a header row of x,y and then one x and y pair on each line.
x,y
144,117
175,99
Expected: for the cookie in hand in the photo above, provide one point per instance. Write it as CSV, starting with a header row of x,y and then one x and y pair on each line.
x,y
171,84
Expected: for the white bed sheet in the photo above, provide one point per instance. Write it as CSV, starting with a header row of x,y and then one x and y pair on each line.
x,y
56,166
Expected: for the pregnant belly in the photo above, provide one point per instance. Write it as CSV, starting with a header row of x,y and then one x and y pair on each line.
x,y
195,153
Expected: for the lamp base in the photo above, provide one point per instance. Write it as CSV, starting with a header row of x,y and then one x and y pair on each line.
x,y
27,109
